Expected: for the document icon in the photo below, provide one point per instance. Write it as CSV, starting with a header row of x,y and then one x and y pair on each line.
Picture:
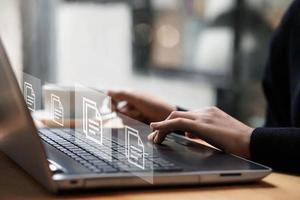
x,y
29,96
57,110
134,148
92,121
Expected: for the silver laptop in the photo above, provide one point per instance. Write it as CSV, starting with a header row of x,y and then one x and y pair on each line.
x,y
62,159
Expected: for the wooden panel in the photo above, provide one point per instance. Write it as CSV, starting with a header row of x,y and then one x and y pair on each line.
x,y
15,184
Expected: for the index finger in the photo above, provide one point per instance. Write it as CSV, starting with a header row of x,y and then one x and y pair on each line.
x,y
165,127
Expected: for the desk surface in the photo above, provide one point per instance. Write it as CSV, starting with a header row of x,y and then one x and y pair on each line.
x,y
16,184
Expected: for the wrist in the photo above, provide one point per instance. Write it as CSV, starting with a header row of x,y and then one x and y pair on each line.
x,y
245,142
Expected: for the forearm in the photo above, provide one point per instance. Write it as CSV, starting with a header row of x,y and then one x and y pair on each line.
x,y
278,148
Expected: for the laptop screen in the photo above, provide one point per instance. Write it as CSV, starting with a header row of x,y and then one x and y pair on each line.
x,y
18,136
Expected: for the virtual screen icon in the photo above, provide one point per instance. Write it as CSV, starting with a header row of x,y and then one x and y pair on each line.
x,y
57,110
92,121
29,96
134,148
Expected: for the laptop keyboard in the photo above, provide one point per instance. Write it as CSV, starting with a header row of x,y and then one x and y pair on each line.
x,y
93,157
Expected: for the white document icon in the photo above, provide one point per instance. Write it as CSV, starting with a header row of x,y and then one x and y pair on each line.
x,y
92,121
134,148
57,110
29,96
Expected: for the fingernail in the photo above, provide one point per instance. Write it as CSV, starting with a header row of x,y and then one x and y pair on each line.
x,y
151,136
153,124
155,140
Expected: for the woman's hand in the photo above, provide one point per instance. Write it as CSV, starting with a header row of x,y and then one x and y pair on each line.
x,y
140,106
210,124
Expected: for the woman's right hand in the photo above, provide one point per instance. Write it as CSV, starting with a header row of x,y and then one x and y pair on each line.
x,y
140,106
210,124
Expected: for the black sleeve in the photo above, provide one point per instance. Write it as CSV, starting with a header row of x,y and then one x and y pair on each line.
x,y
282,75
273,146
277,79
278,148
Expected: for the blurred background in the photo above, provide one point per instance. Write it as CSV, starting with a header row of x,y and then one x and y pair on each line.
x,y
192,53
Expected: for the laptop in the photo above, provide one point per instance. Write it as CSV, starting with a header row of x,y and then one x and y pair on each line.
x,y
62,159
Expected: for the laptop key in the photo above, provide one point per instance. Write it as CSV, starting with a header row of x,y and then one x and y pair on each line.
x,y
95,158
